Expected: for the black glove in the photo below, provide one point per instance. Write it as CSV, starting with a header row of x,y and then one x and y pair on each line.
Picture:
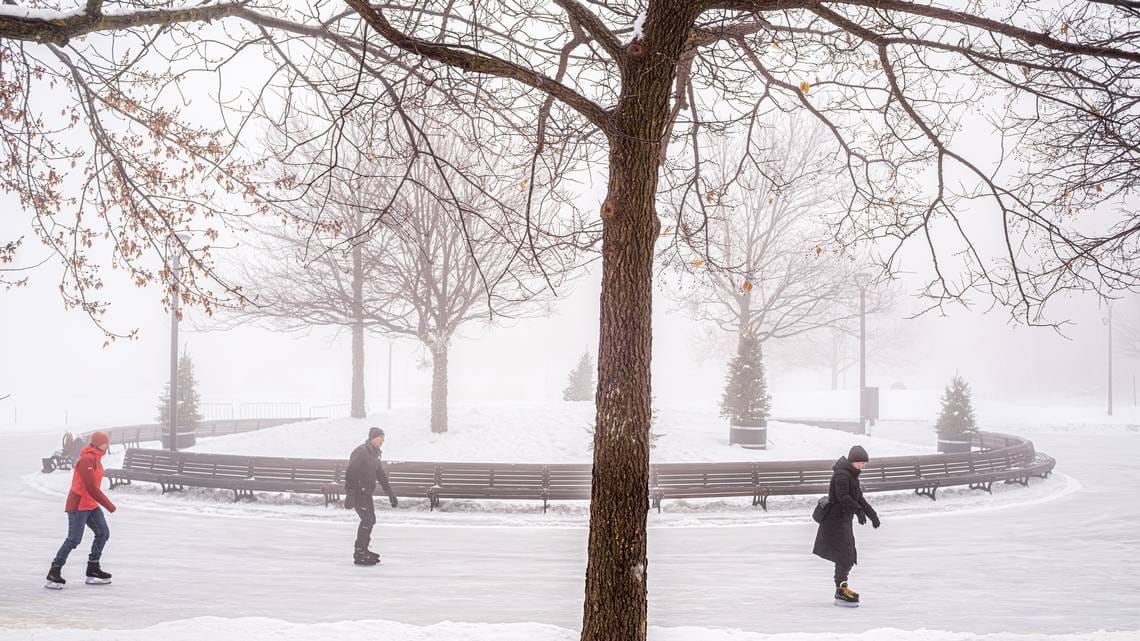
x,y
862,517
875,523
393,500
349,501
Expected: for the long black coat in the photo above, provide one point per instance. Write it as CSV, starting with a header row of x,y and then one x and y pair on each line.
x,y
835,539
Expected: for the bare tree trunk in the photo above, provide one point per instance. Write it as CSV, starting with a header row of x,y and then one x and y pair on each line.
x,y
358,370
357,333
615,607
439,389
616,573
834,362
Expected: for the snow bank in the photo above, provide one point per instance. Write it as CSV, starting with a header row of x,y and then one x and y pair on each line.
x,y
541,432
263,629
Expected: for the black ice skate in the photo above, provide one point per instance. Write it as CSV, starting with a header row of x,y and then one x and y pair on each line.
x,y
96,575
364,557
846,597
55,580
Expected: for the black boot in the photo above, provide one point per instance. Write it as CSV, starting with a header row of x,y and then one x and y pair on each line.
x,y
372,554
55,580
96,575
363,557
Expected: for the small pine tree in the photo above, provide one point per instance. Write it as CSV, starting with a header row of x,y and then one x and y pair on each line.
x,y
189,414
957,417
581,384
746,387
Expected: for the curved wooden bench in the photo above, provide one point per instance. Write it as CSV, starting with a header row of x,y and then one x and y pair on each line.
x,y
1002,458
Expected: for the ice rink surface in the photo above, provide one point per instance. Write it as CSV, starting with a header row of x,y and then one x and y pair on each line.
x,y
1068,565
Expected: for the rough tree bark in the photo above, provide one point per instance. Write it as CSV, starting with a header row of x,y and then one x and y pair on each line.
x,y
615,603
439,389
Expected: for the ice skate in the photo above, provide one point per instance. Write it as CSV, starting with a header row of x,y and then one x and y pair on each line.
x,y
55,580
96,575
846,597
364,557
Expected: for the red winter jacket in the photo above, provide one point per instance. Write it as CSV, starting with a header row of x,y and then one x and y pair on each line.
x,y
85,493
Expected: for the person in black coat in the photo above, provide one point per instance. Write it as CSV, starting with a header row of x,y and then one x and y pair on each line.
x,y
364,471
835,539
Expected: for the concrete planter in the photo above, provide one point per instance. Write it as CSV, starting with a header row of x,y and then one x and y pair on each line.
x,y
747,433
185,439
954,446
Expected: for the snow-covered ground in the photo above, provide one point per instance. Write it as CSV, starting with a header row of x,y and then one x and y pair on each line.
x,y
552,432
549,432
261,629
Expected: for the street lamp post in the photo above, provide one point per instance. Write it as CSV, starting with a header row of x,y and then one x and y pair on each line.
x,y
175,295
861,280
1108,322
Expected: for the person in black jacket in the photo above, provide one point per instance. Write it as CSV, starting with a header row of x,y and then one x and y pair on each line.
x,y
835,539
364,470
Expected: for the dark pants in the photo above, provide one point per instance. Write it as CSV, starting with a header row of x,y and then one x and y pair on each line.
x,y
842,571
76,521
366,510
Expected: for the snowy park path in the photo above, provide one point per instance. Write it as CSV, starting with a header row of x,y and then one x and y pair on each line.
x,y
1068,565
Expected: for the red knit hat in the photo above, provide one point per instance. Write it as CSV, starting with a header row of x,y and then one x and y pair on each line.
x,y
99,438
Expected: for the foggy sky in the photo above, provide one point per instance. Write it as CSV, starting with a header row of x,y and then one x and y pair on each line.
x,y
54,365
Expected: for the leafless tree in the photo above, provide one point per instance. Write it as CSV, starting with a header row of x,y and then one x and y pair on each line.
x,y
1129,332
891,339
298,280
437,270
892,80
308,268
764,271
397,248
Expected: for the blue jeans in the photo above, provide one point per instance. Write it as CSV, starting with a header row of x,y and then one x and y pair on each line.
x,y
76,521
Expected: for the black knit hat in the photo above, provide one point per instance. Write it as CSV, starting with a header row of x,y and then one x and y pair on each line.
x,y
373,432
858,455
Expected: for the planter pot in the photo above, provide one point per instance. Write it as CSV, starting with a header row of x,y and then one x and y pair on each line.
x,y
185,439
954,446
748,433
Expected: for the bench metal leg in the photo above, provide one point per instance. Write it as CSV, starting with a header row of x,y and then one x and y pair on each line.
x,y
761,499
244,494
986,486
657,496
930,491
1022,481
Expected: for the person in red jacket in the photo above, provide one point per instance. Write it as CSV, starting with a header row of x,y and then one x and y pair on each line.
x,y
83,510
